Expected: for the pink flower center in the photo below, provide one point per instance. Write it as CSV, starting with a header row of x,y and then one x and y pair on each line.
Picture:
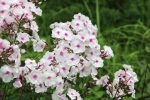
x,y
58,32
79,17
85,24
61,53
49,77
50,57
40,85
77,24
42,46
72,59
22,38
66,34
7,72
3,3
91,40
2,11
72,94
82,38
97,61
94,33
1,45
35,76
78,45
18,80
17,56
63,68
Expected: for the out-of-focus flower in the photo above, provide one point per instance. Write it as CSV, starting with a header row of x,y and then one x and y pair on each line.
x,y
122,85
6,73
77,46
4,44
103,80
40,88
23,37
31,64
38,45
35,77
72,59
73,94
16,55
107,52
17,83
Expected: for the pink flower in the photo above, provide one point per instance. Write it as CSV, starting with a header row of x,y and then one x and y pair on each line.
x,y
6,73
31,64
38,45
49,78
17,83
73,94
63,70
77,46
23,37
103,80
35,77
72,59
4,44
107,52
40,88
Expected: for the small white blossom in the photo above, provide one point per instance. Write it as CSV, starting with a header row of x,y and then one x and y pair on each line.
x,y
38,45
40,88
77,46
4,44
107,52
35,77
6,73
73,59
48,57
31,64
34,26
50,78
73,94
17,83
97,62
103,80
16,55
23,37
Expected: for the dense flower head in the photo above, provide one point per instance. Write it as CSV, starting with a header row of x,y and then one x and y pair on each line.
x,y
11,11
123,83
77,52
17,22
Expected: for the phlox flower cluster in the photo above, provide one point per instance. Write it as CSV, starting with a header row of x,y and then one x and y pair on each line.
x,y
12,12
17,23
76,53
122,85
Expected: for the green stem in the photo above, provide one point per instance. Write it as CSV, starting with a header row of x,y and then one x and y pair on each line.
x,y
99,35
144,83
88,8
97,15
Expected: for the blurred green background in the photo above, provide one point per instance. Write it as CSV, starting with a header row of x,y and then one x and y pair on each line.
x,y
123,25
